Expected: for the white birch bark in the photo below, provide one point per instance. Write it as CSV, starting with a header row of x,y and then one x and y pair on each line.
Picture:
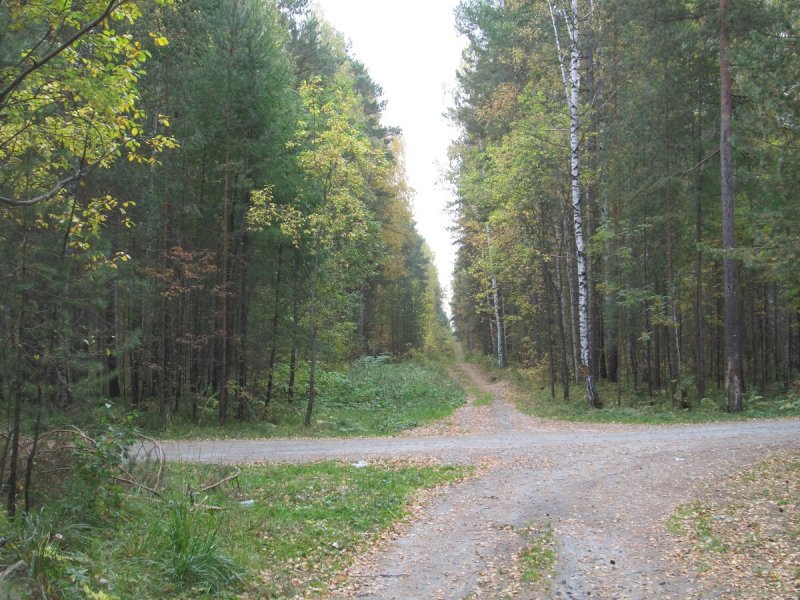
x,y
572,82
501,356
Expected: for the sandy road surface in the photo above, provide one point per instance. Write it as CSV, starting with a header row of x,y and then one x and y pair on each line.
x,y
605,491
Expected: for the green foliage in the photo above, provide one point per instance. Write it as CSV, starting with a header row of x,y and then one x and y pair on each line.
x,y
187,551
384,397
538,558
48,545
533,397
304,524
183,280
648,142
96,463
375,396
321,515
68,93
97,458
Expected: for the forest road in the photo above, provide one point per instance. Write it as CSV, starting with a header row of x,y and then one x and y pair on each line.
x,y
604,493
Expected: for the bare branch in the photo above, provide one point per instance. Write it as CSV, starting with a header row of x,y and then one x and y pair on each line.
x,y
558,50
220,482
60,185
702,162
131,482
34,48
47,195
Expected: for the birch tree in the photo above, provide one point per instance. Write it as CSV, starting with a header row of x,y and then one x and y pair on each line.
x,y
501,356
571,76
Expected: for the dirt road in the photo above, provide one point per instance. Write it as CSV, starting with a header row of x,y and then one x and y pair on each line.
x,y
604,491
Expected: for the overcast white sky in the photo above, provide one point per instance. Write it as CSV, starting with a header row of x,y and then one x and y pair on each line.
x,y
412,50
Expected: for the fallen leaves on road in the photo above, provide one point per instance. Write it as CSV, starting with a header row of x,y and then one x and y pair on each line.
x,y
744,532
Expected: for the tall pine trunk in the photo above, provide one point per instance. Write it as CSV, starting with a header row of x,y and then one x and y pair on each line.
x,y
733,358
699,353
275,320
314,331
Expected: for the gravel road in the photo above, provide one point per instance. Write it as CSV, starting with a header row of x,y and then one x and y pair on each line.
x,y
604,491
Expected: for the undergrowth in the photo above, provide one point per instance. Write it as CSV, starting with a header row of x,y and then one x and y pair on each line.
x,y
270,532
538,557
373,396
622,405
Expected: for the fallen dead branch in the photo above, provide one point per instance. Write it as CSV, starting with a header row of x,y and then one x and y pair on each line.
x,y
193,493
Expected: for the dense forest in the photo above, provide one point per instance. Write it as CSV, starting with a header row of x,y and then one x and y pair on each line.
x,y
605,144
207,232
201,208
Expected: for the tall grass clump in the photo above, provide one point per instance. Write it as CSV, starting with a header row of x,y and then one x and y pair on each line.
x,y
186,550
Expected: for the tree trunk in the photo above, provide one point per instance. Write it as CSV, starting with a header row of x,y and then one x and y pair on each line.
x,y
312,390
699,353
16,425
31,460
13,469
571,303
275,316
565,375
295,318
225,258
492,335
733,379
501,356
572,84
241,312
548,302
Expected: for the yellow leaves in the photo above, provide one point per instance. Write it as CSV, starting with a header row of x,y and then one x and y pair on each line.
x,y
159,40
265,213
81,106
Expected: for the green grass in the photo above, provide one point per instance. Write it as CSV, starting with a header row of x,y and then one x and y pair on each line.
x,y
696,521
538,558
483,399
304,524
374,396
624,406
480,397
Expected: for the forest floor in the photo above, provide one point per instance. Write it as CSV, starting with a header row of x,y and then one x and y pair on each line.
x,y
557,510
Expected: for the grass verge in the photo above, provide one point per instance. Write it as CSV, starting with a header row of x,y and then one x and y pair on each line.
x,y
745,534
271,532
622,405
